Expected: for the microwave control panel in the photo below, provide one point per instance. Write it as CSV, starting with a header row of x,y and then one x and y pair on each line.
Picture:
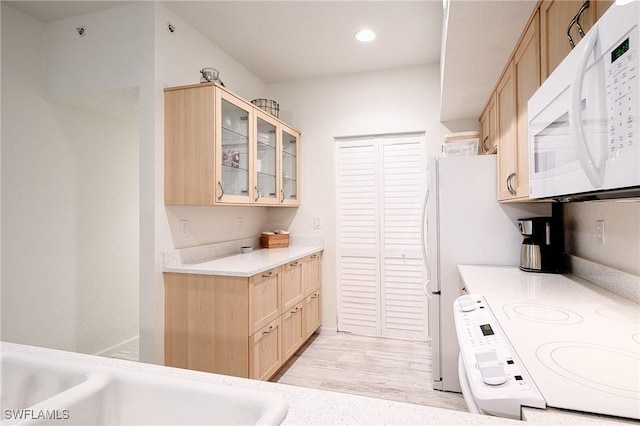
x,y
623,94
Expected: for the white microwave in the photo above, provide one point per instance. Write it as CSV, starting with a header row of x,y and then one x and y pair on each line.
x,y
584,137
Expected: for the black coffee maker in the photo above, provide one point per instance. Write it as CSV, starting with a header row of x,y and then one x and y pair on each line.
x,y
540,251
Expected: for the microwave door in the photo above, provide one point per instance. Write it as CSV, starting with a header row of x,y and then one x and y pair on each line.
x,y
587,113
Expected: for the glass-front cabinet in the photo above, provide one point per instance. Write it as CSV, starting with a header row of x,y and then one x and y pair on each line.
x,y
289,165
266,161
234,152
221,149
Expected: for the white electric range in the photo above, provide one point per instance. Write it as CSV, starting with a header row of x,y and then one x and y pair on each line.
x,y
574,344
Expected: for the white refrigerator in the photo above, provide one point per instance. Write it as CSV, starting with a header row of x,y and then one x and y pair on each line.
x,y
464,224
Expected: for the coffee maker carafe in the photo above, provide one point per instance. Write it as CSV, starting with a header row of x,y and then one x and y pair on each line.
x,y
539,251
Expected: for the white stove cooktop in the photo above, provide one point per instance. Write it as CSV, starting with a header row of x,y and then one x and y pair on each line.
x,y
579,342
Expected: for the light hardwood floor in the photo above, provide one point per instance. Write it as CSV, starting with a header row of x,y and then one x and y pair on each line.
x,y
398,370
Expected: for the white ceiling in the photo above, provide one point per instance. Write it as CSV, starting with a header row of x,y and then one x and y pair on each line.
x,y
282,41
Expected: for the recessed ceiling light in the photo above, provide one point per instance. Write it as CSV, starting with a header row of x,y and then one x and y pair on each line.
x,y
365,35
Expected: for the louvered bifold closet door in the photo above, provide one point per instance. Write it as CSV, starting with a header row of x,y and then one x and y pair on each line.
x,y
358,238
380,184
403,302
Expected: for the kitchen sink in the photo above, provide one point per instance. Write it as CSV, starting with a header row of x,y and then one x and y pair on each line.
x,y
49,391
26,380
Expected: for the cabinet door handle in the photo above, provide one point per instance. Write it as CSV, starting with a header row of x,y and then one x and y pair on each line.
x,y
282,193
485,147
257,195
571,24
510,185
584,7
267,275
268,331
221,191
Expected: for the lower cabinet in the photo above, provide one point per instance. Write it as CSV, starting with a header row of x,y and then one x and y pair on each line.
x,y
293,330
312,313
265,356
245,327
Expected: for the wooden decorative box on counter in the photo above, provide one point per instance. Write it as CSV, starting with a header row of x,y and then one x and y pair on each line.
x,y
274,240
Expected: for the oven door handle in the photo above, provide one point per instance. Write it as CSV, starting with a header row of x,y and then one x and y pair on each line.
x,y
466,389
595,173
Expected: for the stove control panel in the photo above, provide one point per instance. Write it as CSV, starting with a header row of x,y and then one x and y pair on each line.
x,y
495,377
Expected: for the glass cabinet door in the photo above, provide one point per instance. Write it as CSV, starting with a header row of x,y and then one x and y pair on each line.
x,y
289,191
266,161
234,152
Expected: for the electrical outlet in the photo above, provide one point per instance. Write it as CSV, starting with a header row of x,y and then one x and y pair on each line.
x,y
600,231
184,228
316,222
239,223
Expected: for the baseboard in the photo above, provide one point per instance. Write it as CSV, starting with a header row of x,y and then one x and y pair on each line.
x,y
328,331
118,347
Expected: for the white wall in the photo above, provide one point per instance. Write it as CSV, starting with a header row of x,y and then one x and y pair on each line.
x,y
394,101
621,248
69,210
38,239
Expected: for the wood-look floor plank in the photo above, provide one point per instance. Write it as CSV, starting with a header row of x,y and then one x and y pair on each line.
x,y
398,370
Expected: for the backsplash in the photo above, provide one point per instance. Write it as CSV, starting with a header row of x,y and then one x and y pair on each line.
x,y
621,247
210,251
620,283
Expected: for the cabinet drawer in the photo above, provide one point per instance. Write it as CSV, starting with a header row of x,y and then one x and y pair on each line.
x,y
311,273
264,299
293,330
312,313
291,284
265,351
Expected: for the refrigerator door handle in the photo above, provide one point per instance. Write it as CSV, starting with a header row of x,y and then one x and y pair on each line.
x,y
425,258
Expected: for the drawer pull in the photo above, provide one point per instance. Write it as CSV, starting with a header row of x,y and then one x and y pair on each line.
x,y
268,331
293,263
313,256
295,311
313,296
267,275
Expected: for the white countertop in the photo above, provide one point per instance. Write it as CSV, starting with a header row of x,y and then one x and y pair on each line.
x,y
245,264
565,314
306,406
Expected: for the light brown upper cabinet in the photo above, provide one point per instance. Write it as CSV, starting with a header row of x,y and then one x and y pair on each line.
x,y
489,128
507,143
290,169
519,81
221,149
555,18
